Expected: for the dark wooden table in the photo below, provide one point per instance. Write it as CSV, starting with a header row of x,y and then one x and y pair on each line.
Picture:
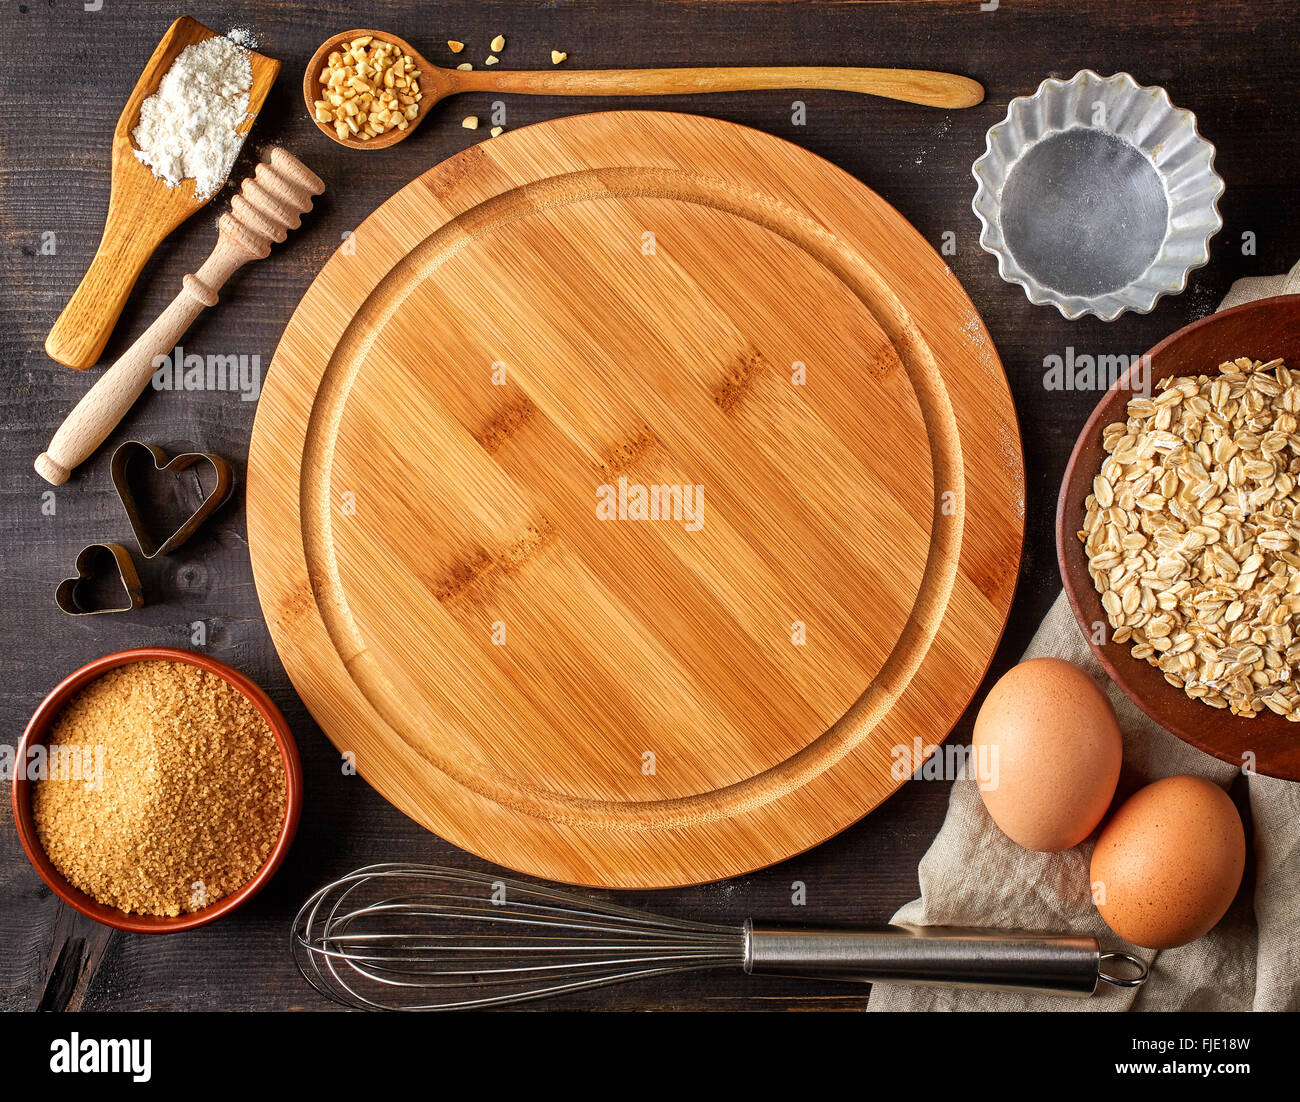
x,y
67,73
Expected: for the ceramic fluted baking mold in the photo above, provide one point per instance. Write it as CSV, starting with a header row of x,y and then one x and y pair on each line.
x,y
1097,195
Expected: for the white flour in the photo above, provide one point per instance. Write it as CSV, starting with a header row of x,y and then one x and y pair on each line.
x,y
243,36
188,127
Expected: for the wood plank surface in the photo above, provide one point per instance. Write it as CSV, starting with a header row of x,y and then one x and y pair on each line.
x,y
1231,62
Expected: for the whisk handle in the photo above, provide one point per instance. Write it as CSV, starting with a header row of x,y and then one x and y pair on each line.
x,y
941,955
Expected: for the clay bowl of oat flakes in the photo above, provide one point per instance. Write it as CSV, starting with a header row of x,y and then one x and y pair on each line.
x,y
1178,535
156,790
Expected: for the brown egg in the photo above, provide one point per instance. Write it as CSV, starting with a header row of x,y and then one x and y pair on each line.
x,y
1169,862
1047,738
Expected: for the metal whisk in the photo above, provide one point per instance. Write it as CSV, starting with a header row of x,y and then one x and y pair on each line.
x,y
419,937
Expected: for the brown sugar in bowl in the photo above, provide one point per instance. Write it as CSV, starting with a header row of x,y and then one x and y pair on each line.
x,y
38,729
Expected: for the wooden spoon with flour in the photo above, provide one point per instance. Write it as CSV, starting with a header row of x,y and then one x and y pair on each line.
x,y
142,208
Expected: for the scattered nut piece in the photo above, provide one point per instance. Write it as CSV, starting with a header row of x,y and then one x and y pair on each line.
x,y
557,56
454,46
498,44
496,131
492,59
370,87
464,66
470,122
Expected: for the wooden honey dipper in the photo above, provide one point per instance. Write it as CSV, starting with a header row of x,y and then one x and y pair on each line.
x,y
270,203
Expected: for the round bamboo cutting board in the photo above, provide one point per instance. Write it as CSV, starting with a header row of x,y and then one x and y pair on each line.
x,y
631,494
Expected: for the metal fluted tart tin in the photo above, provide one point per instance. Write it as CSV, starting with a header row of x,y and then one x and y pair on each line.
x,y
1097,195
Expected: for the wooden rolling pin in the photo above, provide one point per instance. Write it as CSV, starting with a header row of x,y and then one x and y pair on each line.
x,y
270,203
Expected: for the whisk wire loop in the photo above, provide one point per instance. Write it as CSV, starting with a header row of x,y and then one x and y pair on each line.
x,y
419,937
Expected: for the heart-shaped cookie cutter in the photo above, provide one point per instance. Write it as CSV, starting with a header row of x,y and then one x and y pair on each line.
x,y
211,502
67,595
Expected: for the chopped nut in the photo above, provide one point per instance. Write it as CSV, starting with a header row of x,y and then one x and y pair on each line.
x,y
464,66
557,56
498,44
492,60
454,46
470,122
362,86
496,131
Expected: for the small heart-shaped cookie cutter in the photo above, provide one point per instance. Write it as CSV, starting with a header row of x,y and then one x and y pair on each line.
x,y
211,502
68,595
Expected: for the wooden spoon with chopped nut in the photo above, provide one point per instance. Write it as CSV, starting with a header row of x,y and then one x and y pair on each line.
x,y
923,86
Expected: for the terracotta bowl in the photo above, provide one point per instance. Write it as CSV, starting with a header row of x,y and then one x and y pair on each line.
x,y
1263,329
38,728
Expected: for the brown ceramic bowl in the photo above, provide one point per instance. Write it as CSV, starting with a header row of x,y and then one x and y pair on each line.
x,y
1263,329
38,728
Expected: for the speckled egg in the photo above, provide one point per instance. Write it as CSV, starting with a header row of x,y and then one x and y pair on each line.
x,y
1169,862
1047,738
